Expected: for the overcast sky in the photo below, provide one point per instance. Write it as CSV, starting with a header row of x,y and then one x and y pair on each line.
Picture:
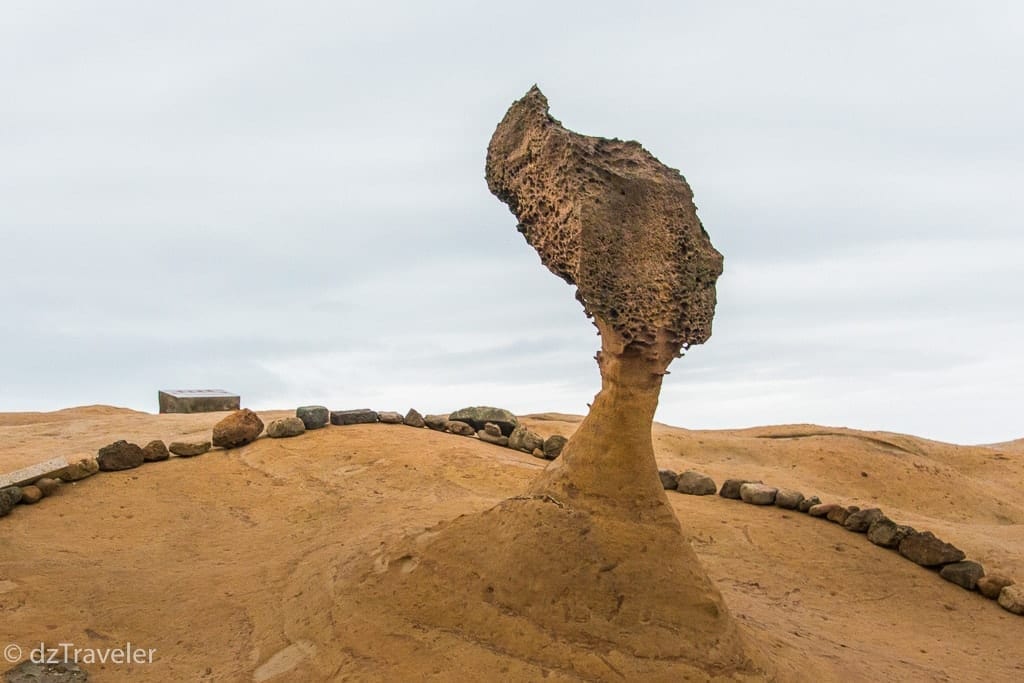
x,y
287,200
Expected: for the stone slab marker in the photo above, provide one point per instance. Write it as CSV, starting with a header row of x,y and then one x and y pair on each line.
x,y
27,475
197,400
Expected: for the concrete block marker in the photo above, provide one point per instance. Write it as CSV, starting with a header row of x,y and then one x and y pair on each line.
x,y
26,475
197,400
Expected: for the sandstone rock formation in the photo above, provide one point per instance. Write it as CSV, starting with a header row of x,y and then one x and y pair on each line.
x,y
237,429
285,427
593,551
120,455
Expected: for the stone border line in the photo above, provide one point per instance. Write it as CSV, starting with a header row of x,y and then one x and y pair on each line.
x,y
921,547
501,428
497,426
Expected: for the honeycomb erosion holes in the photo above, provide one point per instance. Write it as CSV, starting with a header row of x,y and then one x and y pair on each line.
x,y
588,572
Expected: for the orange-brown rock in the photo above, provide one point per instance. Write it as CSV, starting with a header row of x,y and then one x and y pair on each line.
x,y
237,429
608,217
592,552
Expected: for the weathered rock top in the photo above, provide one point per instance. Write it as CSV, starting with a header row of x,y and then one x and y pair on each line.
x,y
607,216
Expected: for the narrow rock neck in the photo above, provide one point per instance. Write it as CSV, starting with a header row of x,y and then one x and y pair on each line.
x,y
608,465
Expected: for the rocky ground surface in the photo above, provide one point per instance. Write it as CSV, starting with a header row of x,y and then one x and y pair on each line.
x,y
245,564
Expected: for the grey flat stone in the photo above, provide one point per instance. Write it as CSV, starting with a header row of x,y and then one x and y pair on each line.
x,y
26,475
197,400
353,417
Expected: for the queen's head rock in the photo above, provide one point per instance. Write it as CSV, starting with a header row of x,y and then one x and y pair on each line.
x,y
609,218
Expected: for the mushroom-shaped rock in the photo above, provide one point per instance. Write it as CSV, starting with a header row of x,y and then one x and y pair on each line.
x,y
595,534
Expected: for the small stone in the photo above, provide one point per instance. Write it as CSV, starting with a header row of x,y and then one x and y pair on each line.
x,y
522,439
353,417
46,672
30,495
696,483
9,497
48,485
822,509
991,584
285,427
838,515
492,429
478,416
190,449
76,471
669,479
436,422
313,417
119,455
1011,598
964,574
538,453
807,503
237,429
757,494
155,451
731,487
460,428
414,419
553,446
861,520
498,440
390,417
887,533
788,499
926,550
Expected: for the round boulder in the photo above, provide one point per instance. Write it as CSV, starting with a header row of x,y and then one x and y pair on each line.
x,y
9,497
822,509
285,427
390,417
807,503
237,429
86,467
313,417
436,422
669,479
1011,598
30,495
990,585
119,455
155,451
48,485
414,419
497,439
887,533
964,574
696,484
553,446
926,550
731,487
459,427
758,494
788,499
861,520
522,439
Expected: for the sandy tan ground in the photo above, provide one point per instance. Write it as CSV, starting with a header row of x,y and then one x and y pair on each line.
x,y
244,565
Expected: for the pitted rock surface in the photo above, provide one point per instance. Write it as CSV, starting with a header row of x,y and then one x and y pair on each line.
x,y
608,217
